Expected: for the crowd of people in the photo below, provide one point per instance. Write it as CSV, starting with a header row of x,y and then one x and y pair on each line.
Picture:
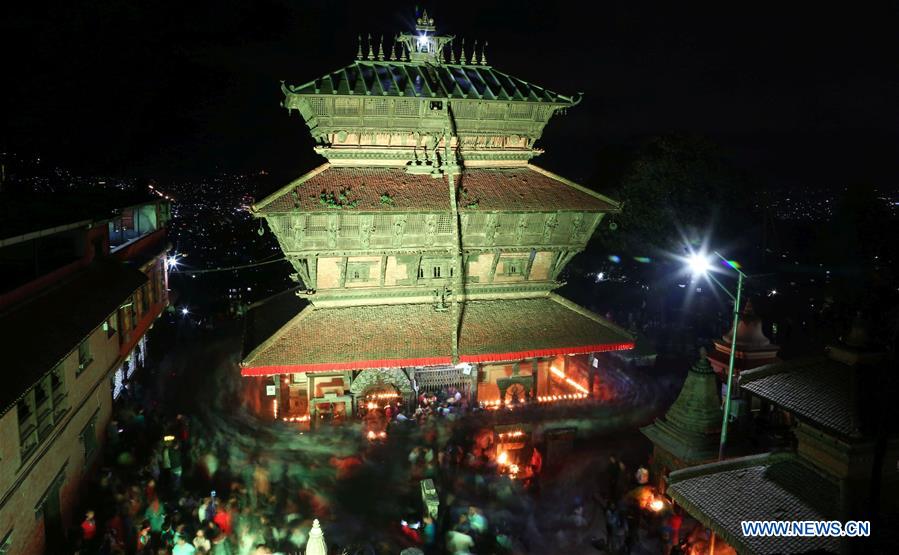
x,y
219,480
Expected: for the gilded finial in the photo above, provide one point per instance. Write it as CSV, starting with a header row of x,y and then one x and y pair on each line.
x,y
371,48
452,54
462,53
484,54
405,53
381,48
359,52
474,54
393,52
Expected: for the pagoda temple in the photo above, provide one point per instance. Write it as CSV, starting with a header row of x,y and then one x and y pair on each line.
x,y
688,434
427,245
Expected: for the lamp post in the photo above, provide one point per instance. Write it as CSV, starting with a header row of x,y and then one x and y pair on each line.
x,y
700,265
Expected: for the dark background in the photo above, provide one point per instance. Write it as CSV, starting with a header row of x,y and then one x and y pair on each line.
x,y
800,95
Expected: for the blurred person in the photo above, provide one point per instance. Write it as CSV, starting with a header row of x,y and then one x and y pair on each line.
x,y
201,542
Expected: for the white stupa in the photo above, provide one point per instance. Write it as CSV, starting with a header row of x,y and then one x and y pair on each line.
x,y
316,544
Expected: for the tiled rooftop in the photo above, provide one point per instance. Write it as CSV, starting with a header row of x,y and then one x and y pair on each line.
x,y
525,189
507,189
766,487
418,335
816,389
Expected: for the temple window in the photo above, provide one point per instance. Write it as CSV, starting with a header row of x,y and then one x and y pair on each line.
x,y
359,271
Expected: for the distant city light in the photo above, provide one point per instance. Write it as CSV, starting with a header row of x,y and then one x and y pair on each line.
x,y
772,292
185,311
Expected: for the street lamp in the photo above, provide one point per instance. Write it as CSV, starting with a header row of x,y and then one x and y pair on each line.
x,y
699,264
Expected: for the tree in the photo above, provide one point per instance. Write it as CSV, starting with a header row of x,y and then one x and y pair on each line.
x,y
675,187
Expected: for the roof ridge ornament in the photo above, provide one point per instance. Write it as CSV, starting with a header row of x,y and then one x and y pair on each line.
x,y
359,52
371,49
474,54
381,48
484,54
393,52
462,53
452,54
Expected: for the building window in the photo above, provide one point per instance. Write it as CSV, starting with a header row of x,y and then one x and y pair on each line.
x,y
109,326
84,355
144,299
513,266
435,268
89,437
132,313
40,410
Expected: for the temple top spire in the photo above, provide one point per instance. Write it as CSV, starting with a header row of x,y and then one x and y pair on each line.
x,y
425,45
425,24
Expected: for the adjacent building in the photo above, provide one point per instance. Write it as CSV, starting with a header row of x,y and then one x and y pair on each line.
x,y
428,245
843,465
83,280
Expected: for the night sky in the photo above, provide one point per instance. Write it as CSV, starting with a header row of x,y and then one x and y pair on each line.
x,y
798,95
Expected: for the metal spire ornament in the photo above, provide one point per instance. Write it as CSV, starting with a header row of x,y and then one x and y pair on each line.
x,y
452,54
393,52
484,54
462,53
359,52
371,49
381,48
474,54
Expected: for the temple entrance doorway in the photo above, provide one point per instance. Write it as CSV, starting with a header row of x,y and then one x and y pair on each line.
x,y
377,397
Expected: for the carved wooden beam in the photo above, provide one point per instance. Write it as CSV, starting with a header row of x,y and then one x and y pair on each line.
x,y
341,282
493,266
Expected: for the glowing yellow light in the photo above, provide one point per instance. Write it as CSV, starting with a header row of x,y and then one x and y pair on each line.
x,y
372,434
168,438
503,458
656,504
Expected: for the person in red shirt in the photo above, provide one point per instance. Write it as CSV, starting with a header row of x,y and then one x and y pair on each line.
x,y
222,519
674,523
89,529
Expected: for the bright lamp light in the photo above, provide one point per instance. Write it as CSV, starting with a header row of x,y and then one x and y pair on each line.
x,y
698,264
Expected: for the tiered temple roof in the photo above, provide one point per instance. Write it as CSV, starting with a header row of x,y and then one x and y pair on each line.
x,y
393,336
410,79
526,189
428,238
